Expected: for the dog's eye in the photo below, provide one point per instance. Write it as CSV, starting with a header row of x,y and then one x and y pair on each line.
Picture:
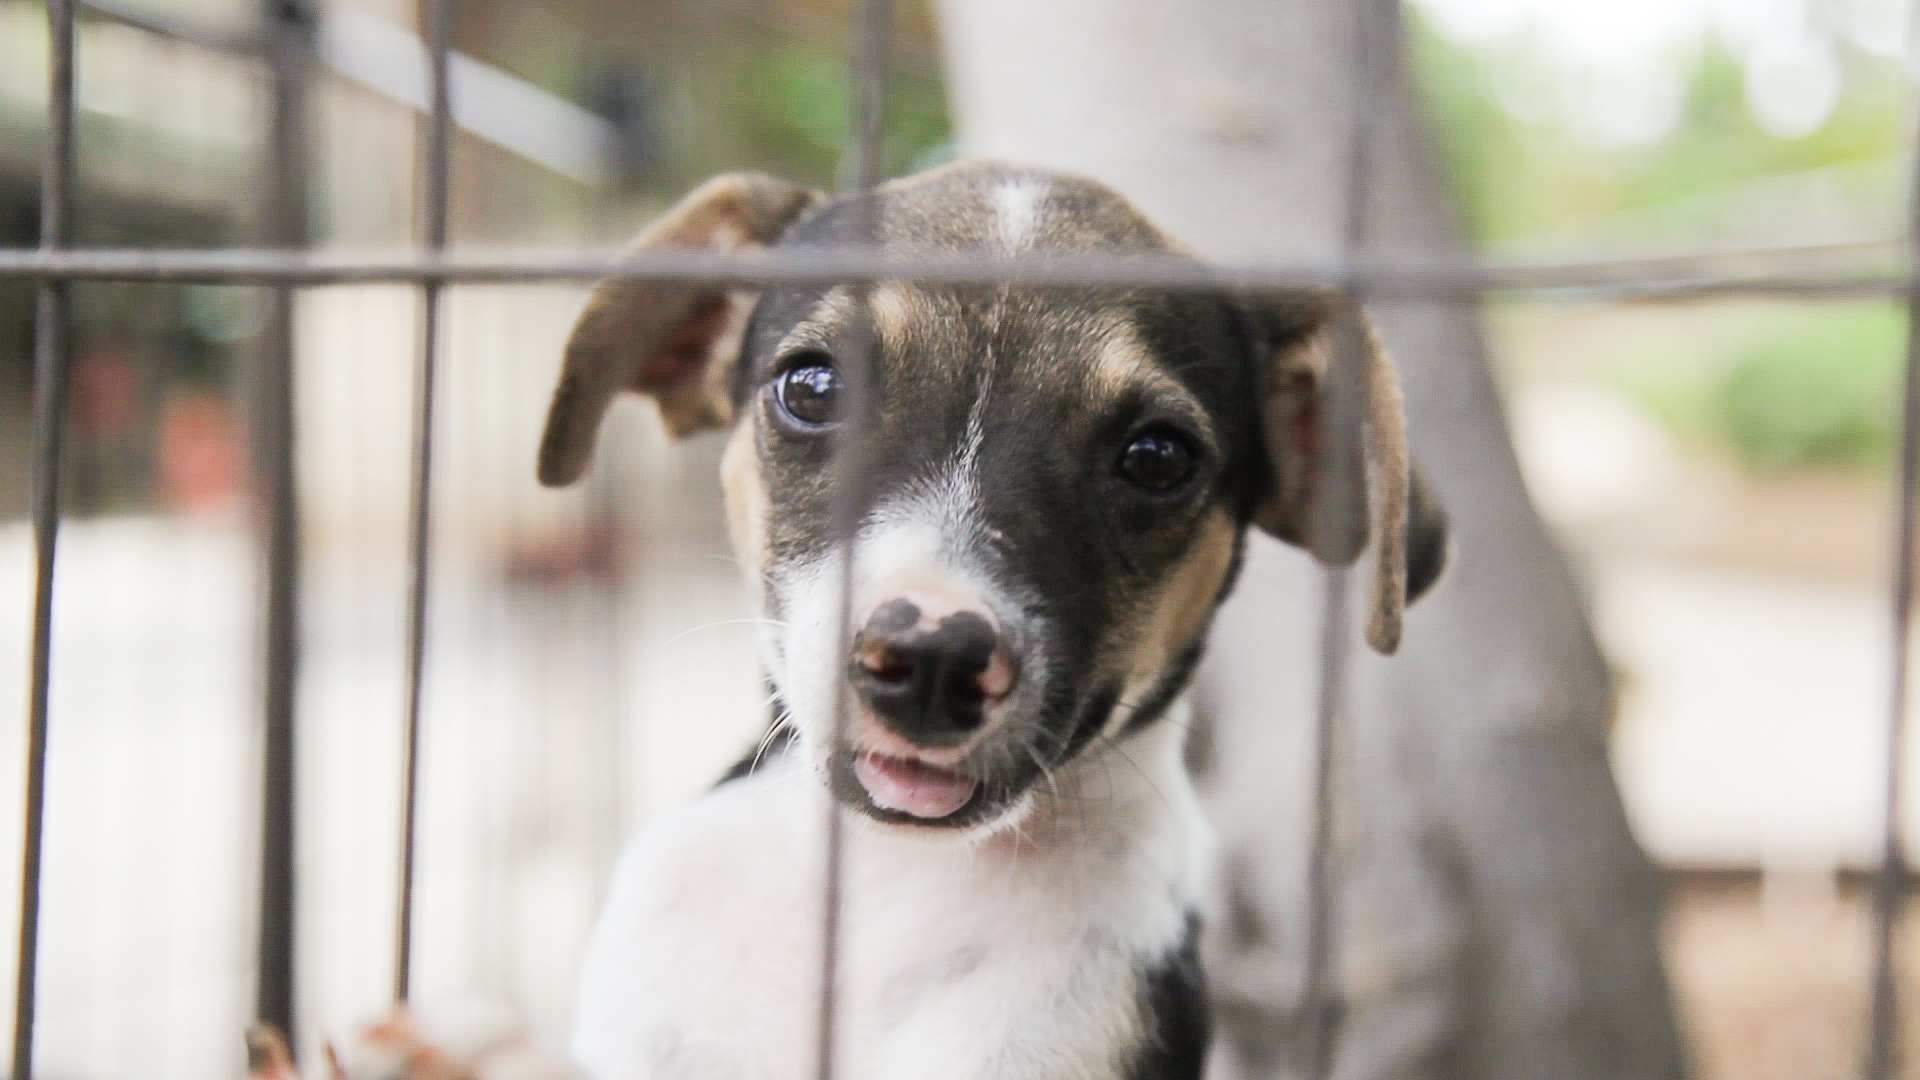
x,y
1159,460
809,392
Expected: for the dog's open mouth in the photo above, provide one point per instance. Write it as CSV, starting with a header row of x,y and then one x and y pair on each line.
x,y
914,788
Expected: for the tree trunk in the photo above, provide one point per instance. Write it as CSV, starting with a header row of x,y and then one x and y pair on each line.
x,y
1494,916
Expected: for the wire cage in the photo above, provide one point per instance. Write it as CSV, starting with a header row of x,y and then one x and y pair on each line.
x,y
284,45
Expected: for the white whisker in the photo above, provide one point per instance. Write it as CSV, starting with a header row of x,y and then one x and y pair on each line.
x,y
755,620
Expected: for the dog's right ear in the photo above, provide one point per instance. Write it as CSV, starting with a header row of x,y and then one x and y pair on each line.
x,y
1388,503
675,342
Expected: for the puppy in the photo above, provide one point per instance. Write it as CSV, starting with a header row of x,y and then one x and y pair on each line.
x,y
1060,482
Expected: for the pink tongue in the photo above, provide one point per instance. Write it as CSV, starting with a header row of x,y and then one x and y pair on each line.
x,y
909,787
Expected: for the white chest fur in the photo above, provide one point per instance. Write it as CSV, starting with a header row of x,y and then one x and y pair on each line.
x,y
1013,956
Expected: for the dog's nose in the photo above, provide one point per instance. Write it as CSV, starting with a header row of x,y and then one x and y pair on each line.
x,y
929,681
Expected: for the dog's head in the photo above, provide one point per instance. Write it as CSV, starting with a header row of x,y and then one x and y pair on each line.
x,y
1060,479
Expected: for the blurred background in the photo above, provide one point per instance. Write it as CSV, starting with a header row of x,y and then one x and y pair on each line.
x,y
1718,474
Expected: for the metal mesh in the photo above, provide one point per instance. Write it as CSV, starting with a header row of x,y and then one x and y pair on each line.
x,y
286,43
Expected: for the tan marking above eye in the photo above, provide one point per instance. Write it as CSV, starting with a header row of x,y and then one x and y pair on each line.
x,y
822,326
1126,364
898,310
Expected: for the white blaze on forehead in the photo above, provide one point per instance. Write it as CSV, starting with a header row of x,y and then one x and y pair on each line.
x,y
1017,205
919,545
1127,364
959,486
829,317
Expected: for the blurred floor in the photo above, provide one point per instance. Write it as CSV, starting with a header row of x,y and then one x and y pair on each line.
x,y
1772,979
1753,712
556,717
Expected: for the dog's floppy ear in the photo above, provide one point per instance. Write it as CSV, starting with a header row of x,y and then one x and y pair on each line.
x,y
1301,338
675,342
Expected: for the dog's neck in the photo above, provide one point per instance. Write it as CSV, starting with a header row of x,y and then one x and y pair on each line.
x,y
1032,948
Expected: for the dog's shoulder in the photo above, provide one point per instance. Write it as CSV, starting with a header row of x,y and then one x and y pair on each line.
x,y
710,844
711,912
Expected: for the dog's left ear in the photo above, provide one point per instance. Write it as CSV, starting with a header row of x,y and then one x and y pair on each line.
x,y
1301,341
673,342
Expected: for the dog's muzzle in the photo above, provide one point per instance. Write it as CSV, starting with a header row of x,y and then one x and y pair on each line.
x,y
930,683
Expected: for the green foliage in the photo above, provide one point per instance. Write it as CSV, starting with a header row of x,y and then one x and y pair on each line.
x,y
1808,386
1519,178
796,99
1819,389
790,103
1479,141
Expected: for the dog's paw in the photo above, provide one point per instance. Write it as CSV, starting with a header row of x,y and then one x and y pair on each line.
x,y
467,1041
267,1055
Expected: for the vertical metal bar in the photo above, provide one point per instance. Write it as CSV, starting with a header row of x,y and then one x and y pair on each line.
x,y
52,346
1890,884
868,75
438,33
869,79
288,32
1343,402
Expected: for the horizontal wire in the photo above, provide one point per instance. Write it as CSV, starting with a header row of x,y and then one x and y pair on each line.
x,y
1666,277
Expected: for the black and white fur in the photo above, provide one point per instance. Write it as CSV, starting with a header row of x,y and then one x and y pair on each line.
x,y
1025,853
